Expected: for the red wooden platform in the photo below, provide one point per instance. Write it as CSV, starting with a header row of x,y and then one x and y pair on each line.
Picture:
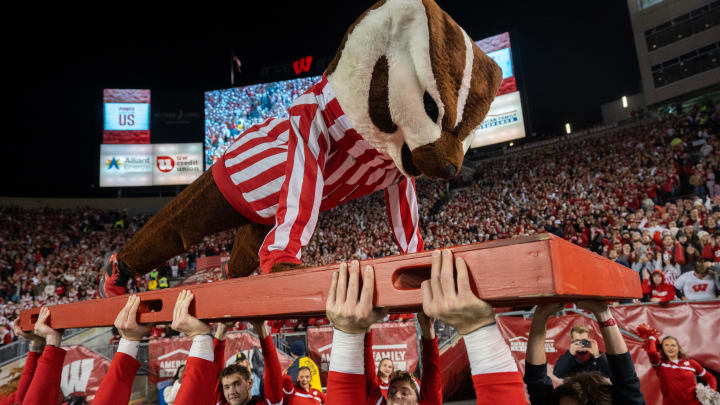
x,y
520,271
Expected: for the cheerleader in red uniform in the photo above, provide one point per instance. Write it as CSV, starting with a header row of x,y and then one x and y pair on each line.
x,y
676,371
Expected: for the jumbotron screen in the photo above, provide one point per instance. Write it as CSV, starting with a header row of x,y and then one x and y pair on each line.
x,y
504,122
126,116
229,112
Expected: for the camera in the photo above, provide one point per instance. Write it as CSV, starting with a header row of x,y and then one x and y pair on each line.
x,y
585,343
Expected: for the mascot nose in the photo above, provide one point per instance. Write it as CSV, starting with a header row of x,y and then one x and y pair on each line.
x,y
449,171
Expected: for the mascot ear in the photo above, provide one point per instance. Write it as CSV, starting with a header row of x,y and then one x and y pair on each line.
x,y
379,97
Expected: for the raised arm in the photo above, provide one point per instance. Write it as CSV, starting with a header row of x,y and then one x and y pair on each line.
x,y
351,313
37,344
45,385
539,385
495,374
200,375
372,382
116,386
626,384
272,374
431,388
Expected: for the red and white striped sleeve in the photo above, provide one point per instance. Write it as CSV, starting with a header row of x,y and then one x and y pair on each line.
x,y
402,209
301,192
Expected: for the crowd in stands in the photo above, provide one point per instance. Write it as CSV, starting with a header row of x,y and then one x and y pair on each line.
x,y
644,195
230,112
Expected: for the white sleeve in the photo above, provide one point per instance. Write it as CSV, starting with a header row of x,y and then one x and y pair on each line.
x,y
347,355
202,347
680,282
171,392
129,347
488,352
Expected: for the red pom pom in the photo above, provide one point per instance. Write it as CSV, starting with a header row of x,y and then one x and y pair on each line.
x,y
644,331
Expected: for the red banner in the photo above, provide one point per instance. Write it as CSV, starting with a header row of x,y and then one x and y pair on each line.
x,y
397,341
83,371
167,354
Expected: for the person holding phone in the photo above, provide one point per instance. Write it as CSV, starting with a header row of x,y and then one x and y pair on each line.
x,y
583,355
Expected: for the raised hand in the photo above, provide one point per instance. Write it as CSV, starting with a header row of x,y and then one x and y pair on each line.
x,y
185,323
126,321
348,311
34,339
260,327
451,302
52,337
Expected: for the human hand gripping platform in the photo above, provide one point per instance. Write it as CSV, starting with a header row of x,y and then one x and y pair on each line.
x,y
521,271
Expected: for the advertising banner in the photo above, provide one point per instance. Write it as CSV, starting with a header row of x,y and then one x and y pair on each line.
x,y
126,116
397,341
504,122
150,164
83,371
125,165
167,354
177,163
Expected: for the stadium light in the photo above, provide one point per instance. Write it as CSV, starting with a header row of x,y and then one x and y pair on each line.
x,y
567,128
512,144
624,101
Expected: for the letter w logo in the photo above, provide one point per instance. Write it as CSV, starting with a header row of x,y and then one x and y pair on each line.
x,y
302,65
75,376
699,287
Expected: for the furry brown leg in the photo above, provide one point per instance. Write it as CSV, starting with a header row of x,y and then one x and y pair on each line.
x,y
244,258
279,267
196,212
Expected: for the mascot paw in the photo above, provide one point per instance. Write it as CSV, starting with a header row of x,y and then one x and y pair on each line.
x,y
278,267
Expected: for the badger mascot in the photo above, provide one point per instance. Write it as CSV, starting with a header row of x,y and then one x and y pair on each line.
x,y
399,99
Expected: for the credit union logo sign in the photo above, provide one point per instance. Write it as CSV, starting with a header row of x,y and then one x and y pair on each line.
x,y
165,163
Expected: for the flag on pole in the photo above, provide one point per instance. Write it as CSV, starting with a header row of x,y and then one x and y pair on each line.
x,y
234,64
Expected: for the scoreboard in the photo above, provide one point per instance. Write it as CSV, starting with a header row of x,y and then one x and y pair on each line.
x,y
126,116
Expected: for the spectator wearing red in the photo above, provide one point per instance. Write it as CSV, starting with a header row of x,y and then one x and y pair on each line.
x,y
656,288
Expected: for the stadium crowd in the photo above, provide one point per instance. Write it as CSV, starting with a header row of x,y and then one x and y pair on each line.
x,y
644,195
230,112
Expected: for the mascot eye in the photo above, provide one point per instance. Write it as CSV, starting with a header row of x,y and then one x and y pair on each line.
x,y
431,109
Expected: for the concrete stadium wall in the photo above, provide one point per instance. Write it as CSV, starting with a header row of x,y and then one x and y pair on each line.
x,y
143,205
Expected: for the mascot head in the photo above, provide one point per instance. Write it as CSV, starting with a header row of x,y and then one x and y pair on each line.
x,y
414,85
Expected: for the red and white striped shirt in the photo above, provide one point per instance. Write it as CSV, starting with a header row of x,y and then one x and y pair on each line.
x,y
285,171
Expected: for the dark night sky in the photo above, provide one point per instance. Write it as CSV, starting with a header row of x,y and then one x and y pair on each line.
x,y
573,56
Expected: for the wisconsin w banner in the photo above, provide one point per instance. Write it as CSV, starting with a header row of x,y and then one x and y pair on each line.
x,y
83,371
